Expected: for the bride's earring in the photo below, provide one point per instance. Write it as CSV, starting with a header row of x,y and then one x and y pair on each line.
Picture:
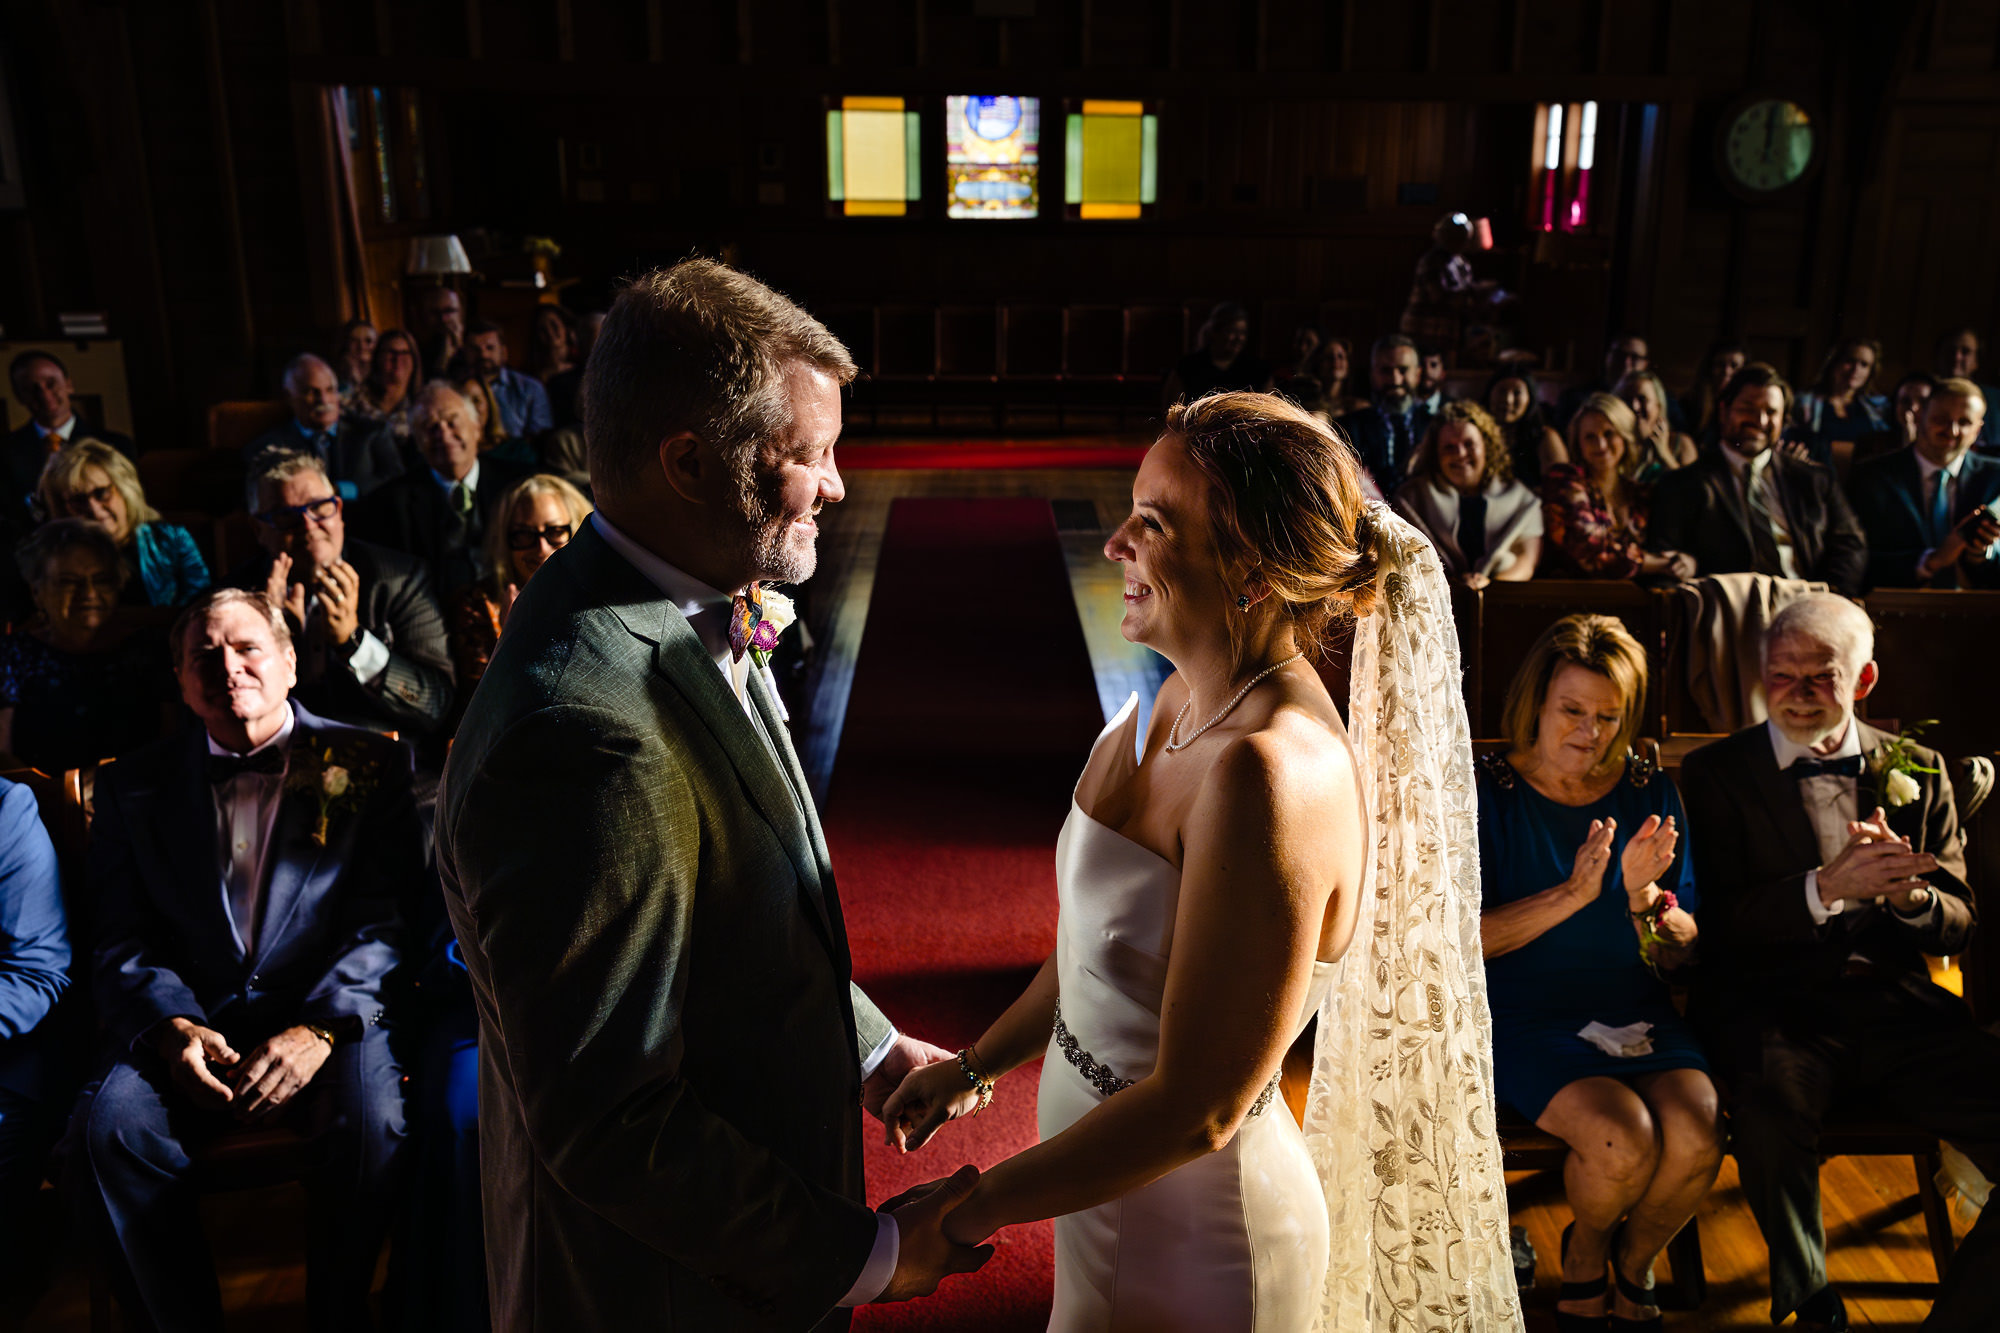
x,y
1243,602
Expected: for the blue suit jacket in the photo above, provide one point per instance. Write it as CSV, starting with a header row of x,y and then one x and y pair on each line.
x,y
332,916
1369,434
1888,498
34,943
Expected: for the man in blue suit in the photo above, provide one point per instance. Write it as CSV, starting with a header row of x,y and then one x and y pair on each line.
x,y
1928,509
1387,431
251,876
34,972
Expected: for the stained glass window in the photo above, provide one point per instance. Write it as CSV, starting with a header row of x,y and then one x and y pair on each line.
x,y
871,157
992,156
1111,159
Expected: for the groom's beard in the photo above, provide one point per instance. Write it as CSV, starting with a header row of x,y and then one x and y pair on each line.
x,y
778,552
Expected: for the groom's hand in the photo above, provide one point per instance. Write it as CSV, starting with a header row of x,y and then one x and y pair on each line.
x,y
907,1054
924,1256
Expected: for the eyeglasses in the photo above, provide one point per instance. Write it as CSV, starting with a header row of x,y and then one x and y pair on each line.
x,y
293,518
527,539
80,502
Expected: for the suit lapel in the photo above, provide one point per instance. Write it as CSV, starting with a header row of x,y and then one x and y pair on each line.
x,y
1723,481
186,805
296,858
1780,794
819,887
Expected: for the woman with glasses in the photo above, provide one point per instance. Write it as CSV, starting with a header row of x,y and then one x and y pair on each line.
x,y
538,516
395,373
91,480
80,682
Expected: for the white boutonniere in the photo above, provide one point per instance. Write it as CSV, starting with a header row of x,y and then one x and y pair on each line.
x,y
779,615
1895,767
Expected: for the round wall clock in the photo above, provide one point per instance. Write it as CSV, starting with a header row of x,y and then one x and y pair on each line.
x,y
1768,145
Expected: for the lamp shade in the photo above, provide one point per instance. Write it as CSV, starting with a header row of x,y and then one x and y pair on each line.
x,y
437,255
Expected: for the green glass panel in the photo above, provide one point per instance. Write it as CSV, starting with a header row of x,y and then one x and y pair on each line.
x,y
1073,160
912,155
836,154
1149,160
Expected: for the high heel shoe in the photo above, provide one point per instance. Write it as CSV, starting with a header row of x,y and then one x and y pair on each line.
x,y
1567,1322
1633,1292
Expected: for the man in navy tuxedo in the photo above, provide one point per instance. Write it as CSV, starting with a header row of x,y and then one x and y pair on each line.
x,y
1387,431
1927,508
251,874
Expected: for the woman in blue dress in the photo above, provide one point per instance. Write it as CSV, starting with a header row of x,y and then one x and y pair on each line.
x,y
1587,902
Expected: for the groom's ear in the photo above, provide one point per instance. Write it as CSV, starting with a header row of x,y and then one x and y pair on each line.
x,y
684,467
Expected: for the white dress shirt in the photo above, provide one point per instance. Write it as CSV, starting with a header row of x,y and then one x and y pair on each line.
x,y
450,484
65,432
1765,479
707,612
1831,802
246,815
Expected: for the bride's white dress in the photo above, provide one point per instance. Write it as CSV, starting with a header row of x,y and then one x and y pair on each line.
x,y
1236,1240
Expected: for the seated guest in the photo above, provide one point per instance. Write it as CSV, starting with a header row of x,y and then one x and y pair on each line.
x,y
1660,448
552,343
1831,862
440,514
540,514
440,329
353,353
369,631
1430,393
250,873
1332,369
1386,432
1905,421
41,385
92,480
1838,409
1957,357
1745,507
494,441
1594,512
522,399
1928,509
83,681
1516,408
1221,363
1724,357
1587,895
385,396
564,384
1462,495
1625,353
359,455
34,973
1306,342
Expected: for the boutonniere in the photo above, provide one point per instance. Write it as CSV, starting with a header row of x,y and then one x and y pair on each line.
x,y
1895,767
339,778
779,616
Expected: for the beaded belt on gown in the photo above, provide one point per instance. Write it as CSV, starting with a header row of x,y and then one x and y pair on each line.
x,y
1100,1076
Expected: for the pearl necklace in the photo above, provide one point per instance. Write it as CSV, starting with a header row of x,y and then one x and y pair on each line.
x,y
1174,730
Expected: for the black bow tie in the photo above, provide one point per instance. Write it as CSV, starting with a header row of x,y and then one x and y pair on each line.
x,y
222,767
1850,767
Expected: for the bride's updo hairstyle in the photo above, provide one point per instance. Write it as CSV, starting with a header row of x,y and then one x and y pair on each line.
x,y
1286,503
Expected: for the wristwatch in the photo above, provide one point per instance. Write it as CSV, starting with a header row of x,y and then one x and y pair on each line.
x,y
324,1034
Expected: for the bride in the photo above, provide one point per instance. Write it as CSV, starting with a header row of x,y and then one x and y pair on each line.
x,y
1251,868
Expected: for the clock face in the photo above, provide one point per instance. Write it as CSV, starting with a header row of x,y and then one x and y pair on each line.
x,y
1769,145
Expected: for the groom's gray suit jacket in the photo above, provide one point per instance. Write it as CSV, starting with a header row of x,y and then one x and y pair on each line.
x,y
669,1096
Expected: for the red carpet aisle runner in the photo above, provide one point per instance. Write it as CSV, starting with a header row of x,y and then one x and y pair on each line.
x,y
972,712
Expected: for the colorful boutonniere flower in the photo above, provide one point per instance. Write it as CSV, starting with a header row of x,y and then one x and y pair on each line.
x,y
337,778
779,616
1895,768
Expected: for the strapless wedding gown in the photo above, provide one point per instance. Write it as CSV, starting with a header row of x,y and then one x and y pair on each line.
x,y
1236,1240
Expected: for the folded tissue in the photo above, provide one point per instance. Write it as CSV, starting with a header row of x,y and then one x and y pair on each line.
x,y
1630,1040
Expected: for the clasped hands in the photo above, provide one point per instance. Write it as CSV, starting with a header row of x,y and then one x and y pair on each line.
x,y
1877,863
338,588
931,1244
252,1087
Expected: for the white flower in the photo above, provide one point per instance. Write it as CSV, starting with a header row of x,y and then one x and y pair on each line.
x,y
1899,788
334,781
778,609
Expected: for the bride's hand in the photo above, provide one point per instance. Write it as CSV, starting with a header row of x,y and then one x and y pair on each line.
x,y
926,1099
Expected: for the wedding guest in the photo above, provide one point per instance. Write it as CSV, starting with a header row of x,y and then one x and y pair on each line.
x,y
1386,432
440,514
1306,342
353,355
41,385
1913,394
1515,406
359,455
1588,902
92,480
1746,507
552,347
564,385
83,681
1221,363
1724,357
440,328
248,874
493,436
541,513
1443,290
1838,409
1928,509
1831,862
1323,390
1957,357
369,632
1594,511
384,397
1625,353
1658,446
34,973
1462,495
522,399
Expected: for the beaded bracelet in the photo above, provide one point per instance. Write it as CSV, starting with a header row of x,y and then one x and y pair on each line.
x,y
983,1086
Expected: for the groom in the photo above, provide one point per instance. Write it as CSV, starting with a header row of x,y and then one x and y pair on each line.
x,y
673,1060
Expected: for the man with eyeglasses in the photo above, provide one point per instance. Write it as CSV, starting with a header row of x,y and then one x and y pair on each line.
x,y
370,632
359,455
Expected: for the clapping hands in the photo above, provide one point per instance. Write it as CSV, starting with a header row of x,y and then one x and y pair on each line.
x,y
1647,857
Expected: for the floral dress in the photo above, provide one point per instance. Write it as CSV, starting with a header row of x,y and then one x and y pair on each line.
x,y
1582,538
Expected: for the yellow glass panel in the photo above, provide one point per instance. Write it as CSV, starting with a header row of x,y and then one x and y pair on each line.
x,y
871,104
1108,210
1097,106
873,147
1113,159
874,208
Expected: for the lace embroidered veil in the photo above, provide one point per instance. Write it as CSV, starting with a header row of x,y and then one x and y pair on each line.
x,y
1399,1119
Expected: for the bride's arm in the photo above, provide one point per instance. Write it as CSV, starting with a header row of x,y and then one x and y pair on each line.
x,y
1248,925
936,1093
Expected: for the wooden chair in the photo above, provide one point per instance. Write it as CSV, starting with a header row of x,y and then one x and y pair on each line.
x,y
231,425
59,799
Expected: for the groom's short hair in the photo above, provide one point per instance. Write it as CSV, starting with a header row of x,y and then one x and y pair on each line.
x,y
697,347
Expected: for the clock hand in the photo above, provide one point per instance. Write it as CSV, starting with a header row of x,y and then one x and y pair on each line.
x,y
1770,130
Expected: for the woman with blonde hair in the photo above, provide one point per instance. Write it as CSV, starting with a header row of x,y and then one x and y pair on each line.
x,y
1661,448
91,480
1463,496
536,518
1588,900
1594,508
1252,869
